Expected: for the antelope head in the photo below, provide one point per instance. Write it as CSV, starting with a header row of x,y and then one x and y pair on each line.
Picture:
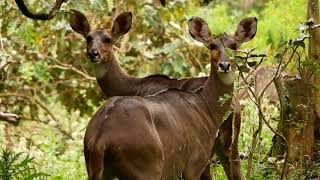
x,y
224,45
100,41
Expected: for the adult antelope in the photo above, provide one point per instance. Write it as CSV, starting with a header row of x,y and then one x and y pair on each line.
x,y
111,78
113,81
171,133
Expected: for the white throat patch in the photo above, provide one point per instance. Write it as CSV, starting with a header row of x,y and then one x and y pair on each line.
x,y
99,69
226,78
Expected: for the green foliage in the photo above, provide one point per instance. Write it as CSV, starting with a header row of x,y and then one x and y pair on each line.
x,y
28,33
249,123
217,172
35,71
309,170
15,166
224,98
275,26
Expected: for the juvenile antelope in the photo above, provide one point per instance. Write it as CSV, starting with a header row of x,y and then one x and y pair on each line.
x,y
114,82
172,133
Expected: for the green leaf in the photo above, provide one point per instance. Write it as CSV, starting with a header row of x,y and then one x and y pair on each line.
x,y
226,115
223,99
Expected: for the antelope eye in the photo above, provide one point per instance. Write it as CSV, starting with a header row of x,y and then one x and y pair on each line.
x,y
106,39
233,46
212,46
89,38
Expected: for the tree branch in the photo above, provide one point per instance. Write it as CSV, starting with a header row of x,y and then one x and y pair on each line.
x,y
279,70
40,16
39,103
255,100
72,68
9,117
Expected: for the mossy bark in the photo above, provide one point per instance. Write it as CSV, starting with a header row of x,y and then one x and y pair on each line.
x,y
314,55
297,119
300,103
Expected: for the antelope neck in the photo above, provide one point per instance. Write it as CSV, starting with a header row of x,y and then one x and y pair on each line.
x,y
113,80
212,90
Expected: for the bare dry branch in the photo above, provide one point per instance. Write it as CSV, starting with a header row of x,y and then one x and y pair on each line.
x,y
257,98
40,16
251,56
259,107
279,71
9,117
39,103
72,68
4,63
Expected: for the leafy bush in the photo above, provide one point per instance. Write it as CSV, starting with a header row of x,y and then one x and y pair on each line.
x,y
16,166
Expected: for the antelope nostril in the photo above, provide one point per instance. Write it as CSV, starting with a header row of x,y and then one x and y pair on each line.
x,y
224,66
221,66
93,54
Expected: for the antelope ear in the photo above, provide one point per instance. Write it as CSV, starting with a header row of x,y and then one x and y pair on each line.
x,y
246,30
79,23
199,30
122,24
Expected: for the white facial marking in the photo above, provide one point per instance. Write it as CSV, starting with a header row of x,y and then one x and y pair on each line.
x,y
99,69
226,78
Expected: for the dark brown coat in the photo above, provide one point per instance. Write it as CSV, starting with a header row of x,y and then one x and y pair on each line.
x,y
126,85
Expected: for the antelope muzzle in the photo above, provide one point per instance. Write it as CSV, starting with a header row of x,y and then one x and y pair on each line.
x,y
94,55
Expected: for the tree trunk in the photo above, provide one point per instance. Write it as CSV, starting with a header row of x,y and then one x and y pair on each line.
x,y
300,103
314,54
278,145
296,119
246,5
